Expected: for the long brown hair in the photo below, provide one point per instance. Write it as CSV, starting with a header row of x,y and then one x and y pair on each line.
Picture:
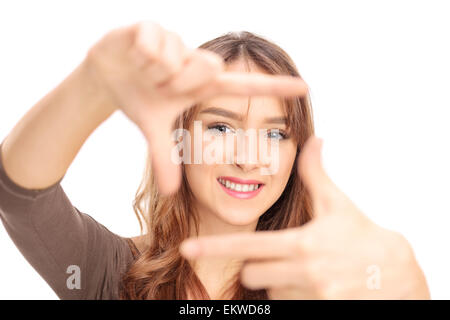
x,y
160,272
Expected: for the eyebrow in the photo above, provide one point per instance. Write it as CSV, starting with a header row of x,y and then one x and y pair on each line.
x,y
235,116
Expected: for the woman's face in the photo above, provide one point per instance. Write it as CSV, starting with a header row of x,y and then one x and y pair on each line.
x,y
239,193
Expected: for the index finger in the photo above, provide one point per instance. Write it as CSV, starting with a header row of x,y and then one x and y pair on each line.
x,y
255,84
256,245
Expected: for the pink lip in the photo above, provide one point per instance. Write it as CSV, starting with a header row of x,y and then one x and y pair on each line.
x,y
240,194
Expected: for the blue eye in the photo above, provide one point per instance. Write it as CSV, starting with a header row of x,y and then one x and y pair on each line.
x,y
219,129
276,134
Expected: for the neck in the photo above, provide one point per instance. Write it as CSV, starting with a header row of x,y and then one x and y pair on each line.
x,y
211,225
216,274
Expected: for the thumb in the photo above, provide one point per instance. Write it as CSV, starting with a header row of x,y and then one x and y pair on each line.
x,y
313,175
167,173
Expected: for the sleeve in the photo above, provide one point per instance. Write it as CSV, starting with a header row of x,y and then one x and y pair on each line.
x,y
77,256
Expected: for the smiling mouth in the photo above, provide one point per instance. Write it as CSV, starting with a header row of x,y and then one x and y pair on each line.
x,y
238,188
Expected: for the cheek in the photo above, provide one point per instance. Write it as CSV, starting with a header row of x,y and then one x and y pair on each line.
x,y
199,177
287,155
194,175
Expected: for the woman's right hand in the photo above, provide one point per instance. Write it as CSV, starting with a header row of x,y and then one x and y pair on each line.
x,y
149,74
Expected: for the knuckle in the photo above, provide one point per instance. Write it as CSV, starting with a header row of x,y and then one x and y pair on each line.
x,y
149,50
171,87
171,68
145,26
300,244
172,61
296,246
146,44
175,37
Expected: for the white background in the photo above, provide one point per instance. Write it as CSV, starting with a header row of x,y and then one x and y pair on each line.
x,y
379,74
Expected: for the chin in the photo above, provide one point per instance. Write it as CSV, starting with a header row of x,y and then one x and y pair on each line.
x,y
238,217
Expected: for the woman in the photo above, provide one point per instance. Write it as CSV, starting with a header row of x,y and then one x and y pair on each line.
x,y
159,84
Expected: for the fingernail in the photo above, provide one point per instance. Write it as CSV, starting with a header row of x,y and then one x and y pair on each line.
x,y
190,248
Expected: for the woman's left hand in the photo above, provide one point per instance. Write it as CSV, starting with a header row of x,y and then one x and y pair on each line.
x,y
340,254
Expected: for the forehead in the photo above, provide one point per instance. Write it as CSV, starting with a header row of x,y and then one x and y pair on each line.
x,y
245,108
250,108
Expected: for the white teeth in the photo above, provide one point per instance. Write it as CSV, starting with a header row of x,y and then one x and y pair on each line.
x,y
238,187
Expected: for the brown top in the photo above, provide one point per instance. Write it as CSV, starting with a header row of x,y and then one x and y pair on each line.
x,y
54,236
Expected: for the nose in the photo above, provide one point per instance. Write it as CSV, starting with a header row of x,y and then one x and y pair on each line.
x,y
247,167
247,157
